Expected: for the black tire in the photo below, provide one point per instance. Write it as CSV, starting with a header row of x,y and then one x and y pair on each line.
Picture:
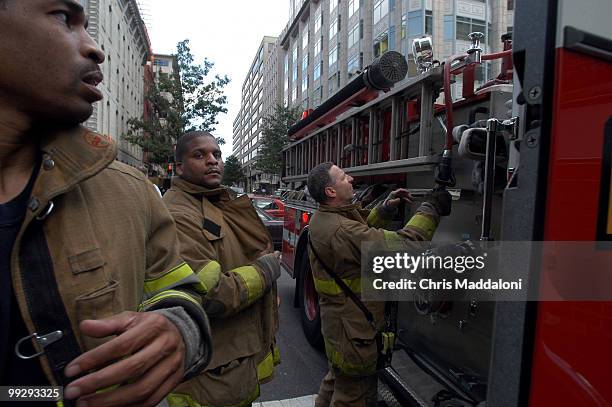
x,y
309,305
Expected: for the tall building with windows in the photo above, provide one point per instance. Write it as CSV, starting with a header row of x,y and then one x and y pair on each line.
x,y
260,93
117,26
328,42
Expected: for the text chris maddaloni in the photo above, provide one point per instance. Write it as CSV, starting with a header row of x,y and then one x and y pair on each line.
x,y
448,284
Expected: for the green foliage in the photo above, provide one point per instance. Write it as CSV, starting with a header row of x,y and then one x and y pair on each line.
x,y
184,102
233,171
274,138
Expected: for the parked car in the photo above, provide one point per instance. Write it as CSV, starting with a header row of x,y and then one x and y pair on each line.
x,y
270,204
274,226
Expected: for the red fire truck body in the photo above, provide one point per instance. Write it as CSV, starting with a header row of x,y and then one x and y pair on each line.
x,y
554,113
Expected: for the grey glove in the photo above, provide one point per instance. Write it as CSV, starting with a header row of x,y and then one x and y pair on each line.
x,y
269,265
198,344
441,200
389,206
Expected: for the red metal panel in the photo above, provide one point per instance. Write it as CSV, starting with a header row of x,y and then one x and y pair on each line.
x,y
573,344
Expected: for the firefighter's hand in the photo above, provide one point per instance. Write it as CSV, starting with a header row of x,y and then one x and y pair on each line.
x,y
269,249
146,359
442,200
395,198
269,265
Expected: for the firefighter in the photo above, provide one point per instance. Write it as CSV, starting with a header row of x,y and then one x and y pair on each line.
x,y
226,243
85,241
336,231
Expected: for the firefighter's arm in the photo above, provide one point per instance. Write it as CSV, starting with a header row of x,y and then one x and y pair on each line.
x,y
382,215
227,292
153,351
172,289
425,221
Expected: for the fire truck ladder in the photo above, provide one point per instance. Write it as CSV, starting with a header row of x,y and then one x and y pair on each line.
x,y
388,134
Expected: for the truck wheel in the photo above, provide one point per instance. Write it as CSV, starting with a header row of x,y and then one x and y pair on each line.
x,y
309,306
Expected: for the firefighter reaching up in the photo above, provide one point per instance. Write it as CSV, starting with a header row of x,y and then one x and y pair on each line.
x,y
351,328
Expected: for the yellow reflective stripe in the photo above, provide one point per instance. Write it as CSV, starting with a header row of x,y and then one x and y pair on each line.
x,y
252,280
425,223
265,368
375,219
59,403
329,287
337,360
172,277
276,355
209,275
163,295
388,342
184,400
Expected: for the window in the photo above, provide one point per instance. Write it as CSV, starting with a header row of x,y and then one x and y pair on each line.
x,y
305,63
354,35
332,5
510,5
428,22
333,84
333,27
449,25
318,20
304,82
305,37
317,94
316,74
318,47
354,64
161,62
465,26
353,7
381,44
333,55
381,8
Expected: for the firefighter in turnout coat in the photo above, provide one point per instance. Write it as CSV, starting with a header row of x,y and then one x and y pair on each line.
x,y
337,230
228,246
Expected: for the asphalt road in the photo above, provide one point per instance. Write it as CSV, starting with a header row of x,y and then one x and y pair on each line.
x,y
302,366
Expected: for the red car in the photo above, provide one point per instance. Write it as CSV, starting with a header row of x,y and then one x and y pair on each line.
x,y
270,204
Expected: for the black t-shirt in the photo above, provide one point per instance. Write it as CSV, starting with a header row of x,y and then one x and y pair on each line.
x,y
13,370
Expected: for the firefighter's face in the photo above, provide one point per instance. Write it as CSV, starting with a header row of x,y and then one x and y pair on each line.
x,y
202,164
49,69
342,189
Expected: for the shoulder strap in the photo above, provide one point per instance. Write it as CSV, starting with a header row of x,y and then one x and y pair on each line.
x,y
349,293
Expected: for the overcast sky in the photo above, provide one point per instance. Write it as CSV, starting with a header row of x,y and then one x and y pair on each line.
x,y
226,32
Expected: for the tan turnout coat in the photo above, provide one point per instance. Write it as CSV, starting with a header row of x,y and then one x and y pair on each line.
x,y
220,238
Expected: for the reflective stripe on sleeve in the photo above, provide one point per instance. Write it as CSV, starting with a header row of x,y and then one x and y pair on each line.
x,y
209,275
375,219
179,275
252,280
424,223
166,295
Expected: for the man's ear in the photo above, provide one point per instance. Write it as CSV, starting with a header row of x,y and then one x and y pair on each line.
x,y
179,168
330,192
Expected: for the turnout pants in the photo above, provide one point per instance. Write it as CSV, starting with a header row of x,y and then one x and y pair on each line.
x,y
338,390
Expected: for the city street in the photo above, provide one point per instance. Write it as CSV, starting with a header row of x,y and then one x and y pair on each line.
x,y
302,366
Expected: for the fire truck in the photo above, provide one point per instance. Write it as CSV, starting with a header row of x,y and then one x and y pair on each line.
x,y
526,156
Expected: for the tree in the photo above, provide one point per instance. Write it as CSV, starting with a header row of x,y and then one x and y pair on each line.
x,y
180,103
274,138
233,171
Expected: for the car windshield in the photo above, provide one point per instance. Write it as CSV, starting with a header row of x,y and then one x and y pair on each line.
x,y
263,204
263,215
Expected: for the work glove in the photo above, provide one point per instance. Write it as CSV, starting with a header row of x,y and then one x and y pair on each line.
x,y
441,200
269,265
394,199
